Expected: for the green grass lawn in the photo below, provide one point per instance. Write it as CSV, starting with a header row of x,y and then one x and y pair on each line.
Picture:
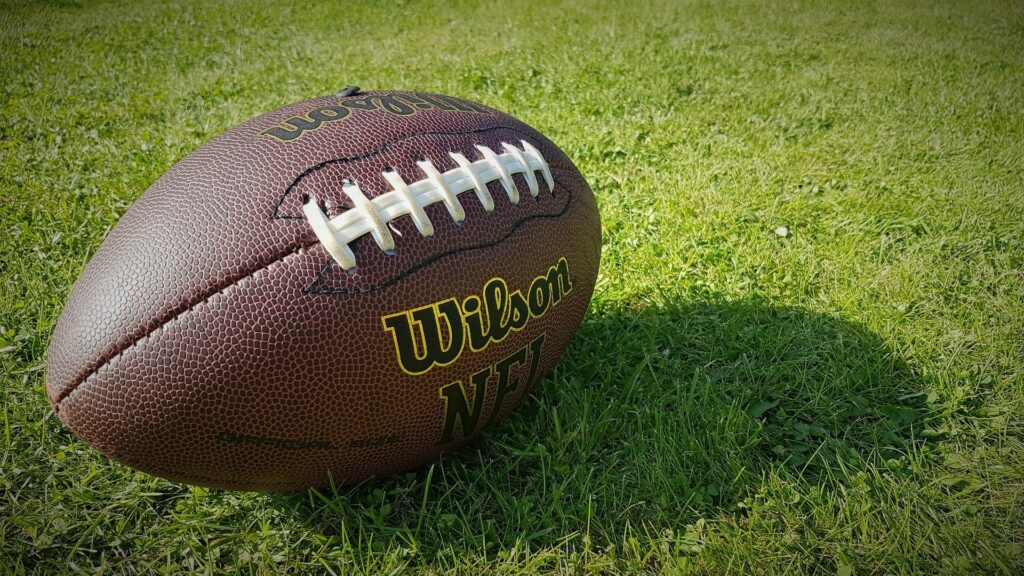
x,y
805,353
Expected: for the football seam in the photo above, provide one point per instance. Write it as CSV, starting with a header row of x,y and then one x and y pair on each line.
x,y
71,389
382,148
66,394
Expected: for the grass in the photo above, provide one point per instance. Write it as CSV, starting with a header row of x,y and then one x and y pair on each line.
x,y
805,351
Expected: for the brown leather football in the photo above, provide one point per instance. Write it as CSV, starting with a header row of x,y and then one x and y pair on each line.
x,y
342,289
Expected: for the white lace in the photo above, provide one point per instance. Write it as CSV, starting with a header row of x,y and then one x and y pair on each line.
x,y
372,216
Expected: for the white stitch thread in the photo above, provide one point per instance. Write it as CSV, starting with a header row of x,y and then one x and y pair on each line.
x,y
506,178
378,224
418,214
372,216
447,196
531,178
544,168
322,228
481,189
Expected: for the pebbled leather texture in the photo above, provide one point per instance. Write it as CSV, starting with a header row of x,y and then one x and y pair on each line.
x,y
212,340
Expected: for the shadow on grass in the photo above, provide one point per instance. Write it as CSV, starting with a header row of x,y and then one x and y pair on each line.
x,y
654,418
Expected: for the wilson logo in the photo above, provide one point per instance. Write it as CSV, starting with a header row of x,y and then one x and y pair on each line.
x,y
395,104
436,334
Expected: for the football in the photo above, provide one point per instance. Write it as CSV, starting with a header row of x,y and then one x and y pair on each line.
x,y
342,289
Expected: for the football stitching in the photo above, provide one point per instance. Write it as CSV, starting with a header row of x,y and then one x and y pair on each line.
x,y
311,288
382,148
410,198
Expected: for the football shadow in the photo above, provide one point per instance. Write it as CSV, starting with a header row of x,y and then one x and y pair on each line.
x,y
655,417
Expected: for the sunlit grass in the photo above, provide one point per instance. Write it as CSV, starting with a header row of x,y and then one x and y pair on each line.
x,y
804,354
